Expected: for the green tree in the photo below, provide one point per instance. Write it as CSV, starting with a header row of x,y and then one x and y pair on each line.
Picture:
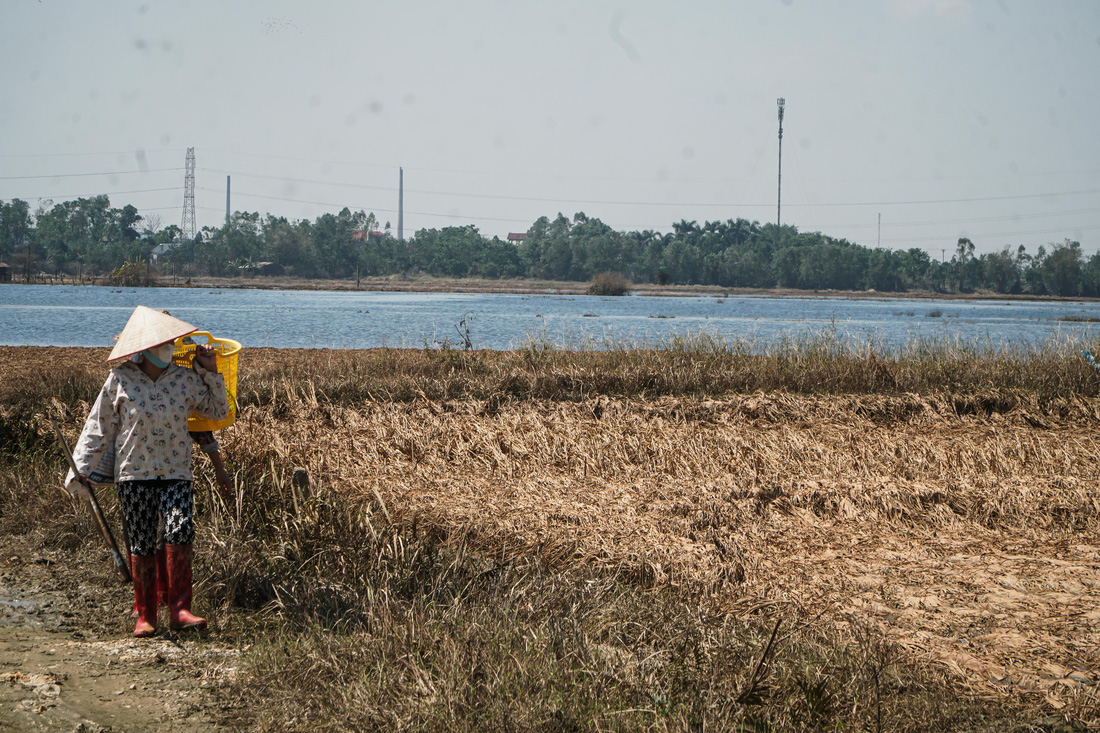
x,y
1001,270
556,256
290,244
336,243
530,250
127,218
15,226
788,267
77,236
831,266
1062,269
914,264
1090,277
884,271
936,276
449,252
1033,273
237,244
595,248
964,273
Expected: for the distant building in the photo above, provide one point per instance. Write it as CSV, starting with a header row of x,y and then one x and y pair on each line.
x,y
160,249
517,236
5,273
269,269
362,235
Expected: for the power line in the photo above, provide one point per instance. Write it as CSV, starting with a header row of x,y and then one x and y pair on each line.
x,y
289,200
727,205
583,202
173,208
571,176
389,167
508,220
958,200
930,222
555,202
84,175
366,208
984,235
926,222
300,180
84,155
70,196
303,160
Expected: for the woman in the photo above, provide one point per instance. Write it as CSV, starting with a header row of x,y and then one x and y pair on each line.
x,y
141,415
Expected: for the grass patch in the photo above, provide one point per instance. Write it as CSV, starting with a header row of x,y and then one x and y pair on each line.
x,y
359,623
694,365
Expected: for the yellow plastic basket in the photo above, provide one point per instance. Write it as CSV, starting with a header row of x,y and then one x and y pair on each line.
x,y
226,352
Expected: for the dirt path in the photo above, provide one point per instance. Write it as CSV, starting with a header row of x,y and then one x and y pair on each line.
x,y
69,663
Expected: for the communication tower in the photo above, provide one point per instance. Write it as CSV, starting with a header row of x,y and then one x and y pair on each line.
x,y
779,193
188,226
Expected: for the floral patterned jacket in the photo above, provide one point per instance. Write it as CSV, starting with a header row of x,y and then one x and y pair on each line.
x,y
145,422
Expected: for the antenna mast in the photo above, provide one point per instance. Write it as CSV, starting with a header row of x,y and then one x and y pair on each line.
x,y
188,226
400,204
779,193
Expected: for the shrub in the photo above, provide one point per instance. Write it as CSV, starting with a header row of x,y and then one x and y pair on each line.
x,y
609,283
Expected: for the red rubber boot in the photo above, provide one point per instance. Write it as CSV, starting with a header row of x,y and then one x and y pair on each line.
x,y
133,574
162,576
145,592
179,589
162,580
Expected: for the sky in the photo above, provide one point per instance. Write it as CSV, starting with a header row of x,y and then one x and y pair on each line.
x,y
908,123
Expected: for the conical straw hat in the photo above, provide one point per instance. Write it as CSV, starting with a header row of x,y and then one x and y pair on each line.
x,y
148,328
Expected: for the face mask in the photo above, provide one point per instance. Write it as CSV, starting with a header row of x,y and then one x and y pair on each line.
x,y
160,356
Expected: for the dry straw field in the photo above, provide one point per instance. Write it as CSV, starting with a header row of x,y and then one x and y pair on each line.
x,y
839,538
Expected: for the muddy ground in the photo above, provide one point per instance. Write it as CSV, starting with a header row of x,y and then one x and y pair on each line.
x,y
68,662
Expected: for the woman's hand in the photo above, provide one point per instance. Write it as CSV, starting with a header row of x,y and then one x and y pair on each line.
x,y
206,358
79,487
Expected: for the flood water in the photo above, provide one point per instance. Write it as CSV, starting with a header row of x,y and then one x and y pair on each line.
x,y
45,315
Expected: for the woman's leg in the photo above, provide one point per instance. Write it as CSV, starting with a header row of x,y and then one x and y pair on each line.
x,y
178,507
138,501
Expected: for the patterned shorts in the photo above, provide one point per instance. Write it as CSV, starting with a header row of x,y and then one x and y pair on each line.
x,y
204,439
144,503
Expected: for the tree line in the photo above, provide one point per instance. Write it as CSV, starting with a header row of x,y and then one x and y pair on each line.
x,y
87,237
